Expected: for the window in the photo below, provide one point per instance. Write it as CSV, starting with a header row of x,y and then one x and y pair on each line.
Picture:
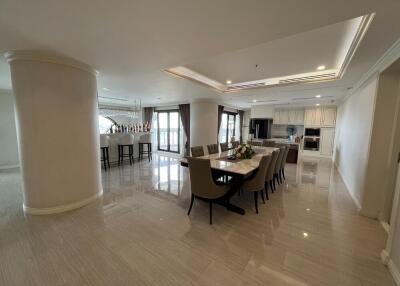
x,y
168,131
228,126
105,124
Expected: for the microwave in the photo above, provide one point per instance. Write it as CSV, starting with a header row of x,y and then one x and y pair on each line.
x,y
314,132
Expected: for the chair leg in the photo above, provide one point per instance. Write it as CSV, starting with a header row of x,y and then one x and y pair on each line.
x,y
271,186
149,151
256,201
283,173
119,155
191,204
210,212
266,190
262,196
273,180
103,150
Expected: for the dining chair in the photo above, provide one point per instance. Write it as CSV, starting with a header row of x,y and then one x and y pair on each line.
x,y
269,176
224,147
255,143
212,149
282,170
268,143
197,151
202,183
235,144
278,164
256,183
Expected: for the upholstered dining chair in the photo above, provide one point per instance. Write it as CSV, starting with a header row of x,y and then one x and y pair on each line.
x,y
212,149
282,170
224,147
256,183
202,183
256,143
197,151
269,176
278,164
268,143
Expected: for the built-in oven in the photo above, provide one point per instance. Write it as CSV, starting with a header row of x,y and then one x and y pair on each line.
x,y
312,132
311,143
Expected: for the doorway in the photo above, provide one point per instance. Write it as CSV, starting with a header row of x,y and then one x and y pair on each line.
x,y
168,131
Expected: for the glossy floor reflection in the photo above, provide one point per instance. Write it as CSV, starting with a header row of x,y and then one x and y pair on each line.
x,y
308,233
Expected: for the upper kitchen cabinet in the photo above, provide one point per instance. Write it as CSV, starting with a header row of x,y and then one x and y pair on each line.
x,y
281,116
310,117
329,116
289,116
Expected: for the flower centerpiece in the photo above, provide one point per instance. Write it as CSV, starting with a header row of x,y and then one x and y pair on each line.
x,y
244,151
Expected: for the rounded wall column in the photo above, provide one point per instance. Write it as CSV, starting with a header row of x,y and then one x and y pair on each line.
x,y
57,128
203,123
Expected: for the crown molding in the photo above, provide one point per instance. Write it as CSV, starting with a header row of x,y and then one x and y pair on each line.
x,y
44,57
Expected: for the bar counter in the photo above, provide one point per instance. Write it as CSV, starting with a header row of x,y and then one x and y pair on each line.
x,y
114,141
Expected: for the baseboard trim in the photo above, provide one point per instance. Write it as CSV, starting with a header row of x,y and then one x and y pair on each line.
x,y
6,167
394,271
355,200
385,226
385,257
62,208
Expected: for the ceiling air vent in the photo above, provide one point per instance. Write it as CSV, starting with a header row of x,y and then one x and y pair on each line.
x,y
318,77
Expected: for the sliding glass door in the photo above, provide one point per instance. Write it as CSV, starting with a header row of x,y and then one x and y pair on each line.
x,y
227,131
168,129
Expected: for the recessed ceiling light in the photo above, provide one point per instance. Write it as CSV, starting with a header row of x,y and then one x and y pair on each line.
x,y
318,96
105,89
308,210
305,234
254,100
321,68
317,104
228,82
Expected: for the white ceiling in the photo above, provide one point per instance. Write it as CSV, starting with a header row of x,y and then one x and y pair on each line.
x,y
132,42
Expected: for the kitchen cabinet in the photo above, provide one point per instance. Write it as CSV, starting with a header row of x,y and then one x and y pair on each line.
x,y
329,116
326,141
289,116
320,117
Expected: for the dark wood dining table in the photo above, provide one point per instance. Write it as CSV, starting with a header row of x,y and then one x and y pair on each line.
x,y
238,170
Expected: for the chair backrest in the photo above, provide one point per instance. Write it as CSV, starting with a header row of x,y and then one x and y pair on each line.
x,y
271,169
279,160
145,138
201,180
268,143
257,182
224,147
235,144
212,148
126,139
197,151
285,156
104,140
255,143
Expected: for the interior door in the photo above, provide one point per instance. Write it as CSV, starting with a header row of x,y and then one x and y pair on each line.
x,y
327,139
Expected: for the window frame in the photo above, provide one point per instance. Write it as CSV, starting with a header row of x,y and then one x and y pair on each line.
x,y
168,111
227,124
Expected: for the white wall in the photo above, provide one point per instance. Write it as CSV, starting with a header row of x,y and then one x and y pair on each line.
x,y
262,111
353,133
203,123
8,134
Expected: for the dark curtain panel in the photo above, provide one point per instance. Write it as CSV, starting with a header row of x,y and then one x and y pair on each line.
x,y
241,114
220,110
184,112
148,114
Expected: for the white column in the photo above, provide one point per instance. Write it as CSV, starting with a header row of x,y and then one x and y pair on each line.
x,y
57,128
203,123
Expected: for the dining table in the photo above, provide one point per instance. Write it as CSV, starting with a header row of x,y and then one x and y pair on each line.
x,y
238,170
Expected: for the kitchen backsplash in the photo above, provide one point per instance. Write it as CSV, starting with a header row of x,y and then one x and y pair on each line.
x,y
279,130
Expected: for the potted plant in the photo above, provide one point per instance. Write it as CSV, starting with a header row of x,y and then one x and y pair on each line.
x,y
243,151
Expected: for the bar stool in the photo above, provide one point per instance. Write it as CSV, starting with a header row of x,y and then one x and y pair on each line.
x,y
125,140
145,139
104,147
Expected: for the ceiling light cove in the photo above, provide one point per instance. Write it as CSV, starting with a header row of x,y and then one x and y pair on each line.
x,y
317,104
333,45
